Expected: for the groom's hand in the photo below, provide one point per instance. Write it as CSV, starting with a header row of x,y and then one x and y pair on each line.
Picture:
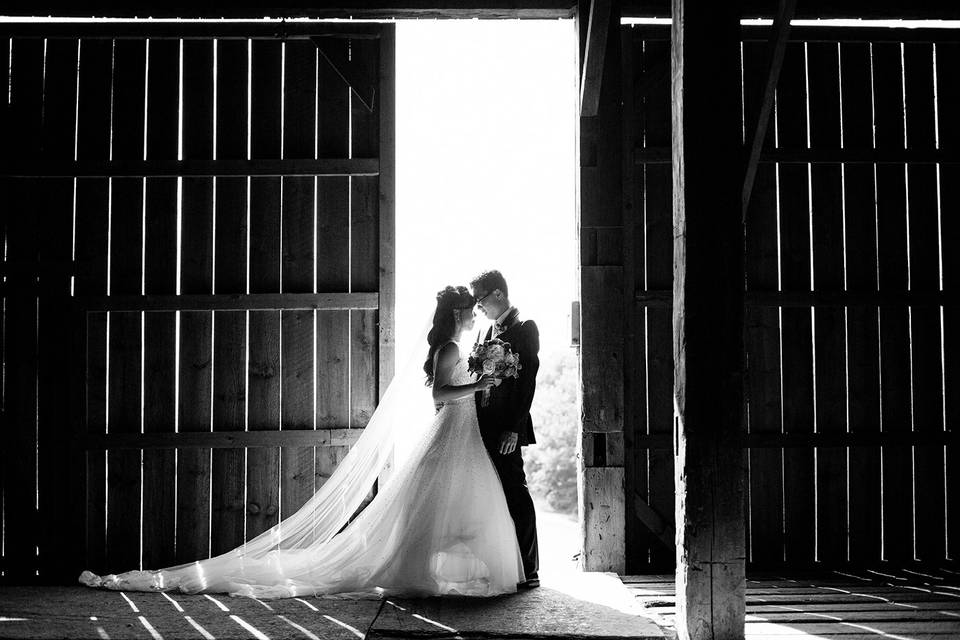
x,y
508,442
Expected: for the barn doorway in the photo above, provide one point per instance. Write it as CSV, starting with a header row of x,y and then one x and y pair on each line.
x,y
486,152
225,192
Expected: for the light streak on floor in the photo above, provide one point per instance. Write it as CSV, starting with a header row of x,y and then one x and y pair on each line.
x,y
149,627
130,602
259,635
352,630
176,605
302,630
306,603
203,632
222,606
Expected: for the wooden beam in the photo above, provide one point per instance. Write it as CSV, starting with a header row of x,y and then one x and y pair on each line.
x,y
218,29
386,324
764,440
659,526
596,46
230,302
823,33
758,130
601,517
344,9
459,9
193,168
661,155
362,78
223,439
660,299
852,298
708,284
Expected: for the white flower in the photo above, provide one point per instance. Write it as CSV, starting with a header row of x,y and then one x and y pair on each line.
x,y
495,351
489,366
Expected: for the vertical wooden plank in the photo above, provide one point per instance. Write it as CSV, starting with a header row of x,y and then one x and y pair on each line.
x,y
263,379
708,299
795,324
948,103
5,185
762,335
124,509
228,481
196,276
21,524
603,306
924,275
160,277
658,256
91,242
386,111
829,323
297,327
333,265
863,375
59,557
638,539
365,243
600,481
894,321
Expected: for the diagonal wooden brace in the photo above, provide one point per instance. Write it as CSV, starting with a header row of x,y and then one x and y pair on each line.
x,y
778,46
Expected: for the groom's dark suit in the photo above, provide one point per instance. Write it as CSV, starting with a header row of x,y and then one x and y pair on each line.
x,y
509,410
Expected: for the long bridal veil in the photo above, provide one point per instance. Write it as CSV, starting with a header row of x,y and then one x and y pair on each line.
x,y
402,416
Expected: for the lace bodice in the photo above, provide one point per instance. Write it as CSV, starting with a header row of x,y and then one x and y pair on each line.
x,y
460,376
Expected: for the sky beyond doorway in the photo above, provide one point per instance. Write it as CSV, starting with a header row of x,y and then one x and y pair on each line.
x,y
486,167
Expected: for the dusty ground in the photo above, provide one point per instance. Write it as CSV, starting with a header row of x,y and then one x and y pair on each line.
x,y
567,606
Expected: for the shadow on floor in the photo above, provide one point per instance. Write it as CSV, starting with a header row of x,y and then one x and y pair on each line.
x,y
572,605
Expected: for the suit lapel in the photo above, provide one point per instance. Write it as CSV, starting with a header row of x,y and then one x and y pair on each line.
x,y
511,321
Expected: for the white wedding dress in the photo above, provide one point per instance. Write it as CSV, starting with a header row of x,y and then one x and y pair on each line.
x,y
438,526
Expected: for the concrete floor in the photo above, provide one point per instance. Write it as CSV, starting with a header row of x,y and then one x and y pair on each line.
x,y
568,605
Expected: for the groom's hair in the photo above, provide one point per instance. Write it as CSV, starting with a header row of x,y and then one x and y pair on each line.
x,y
490,280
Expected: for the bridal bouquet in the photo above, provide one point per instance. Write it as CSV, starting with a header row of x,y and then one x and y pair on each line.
x,y
493,358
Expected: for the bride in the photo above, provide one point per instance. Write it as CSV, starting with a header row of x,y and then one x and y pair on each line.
x,y
439,524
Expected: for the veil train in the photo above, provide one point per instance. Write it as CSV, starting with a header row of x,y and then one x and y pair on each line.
x,y
268,564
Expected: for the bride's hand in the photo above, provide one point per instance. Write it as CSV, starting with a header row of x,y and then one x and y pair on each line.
x,y
487,382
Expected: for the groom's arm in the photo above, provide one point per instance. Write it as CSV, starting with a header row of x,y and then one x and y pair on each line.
x,y
527,382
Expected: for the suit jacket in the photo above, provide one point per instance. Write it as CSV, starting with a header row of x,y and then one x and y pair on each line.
x,y
509,406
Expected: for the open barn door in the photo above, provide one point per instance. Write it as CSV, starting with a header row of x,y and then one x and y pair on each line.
x,y
229,189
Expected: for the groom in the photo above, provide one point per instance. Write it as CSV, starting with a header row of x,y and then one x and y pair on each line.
x,y
505,423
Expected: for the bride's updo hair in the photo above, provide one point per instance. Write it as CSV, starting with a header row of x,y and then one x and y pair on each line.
x,y
444,322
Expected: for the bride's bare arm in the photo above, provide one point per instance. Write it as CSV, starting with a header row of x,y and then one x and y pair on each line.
x,y
443,391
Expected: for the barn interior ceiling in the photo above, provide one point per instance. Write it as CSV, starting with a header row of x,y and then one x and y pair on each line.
x,y
906,9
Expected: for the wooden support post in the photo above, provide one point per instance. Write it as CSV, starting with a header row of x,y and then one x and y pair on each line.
x,y
708,297
601,472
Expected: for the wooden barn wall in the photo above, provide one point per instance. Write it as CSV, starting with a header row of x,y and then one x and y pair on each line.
x,y
602,278
197,312
851,337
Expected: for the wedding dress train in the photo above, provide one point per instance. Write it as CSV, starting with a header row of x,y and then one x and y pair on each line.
x,y
439,525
